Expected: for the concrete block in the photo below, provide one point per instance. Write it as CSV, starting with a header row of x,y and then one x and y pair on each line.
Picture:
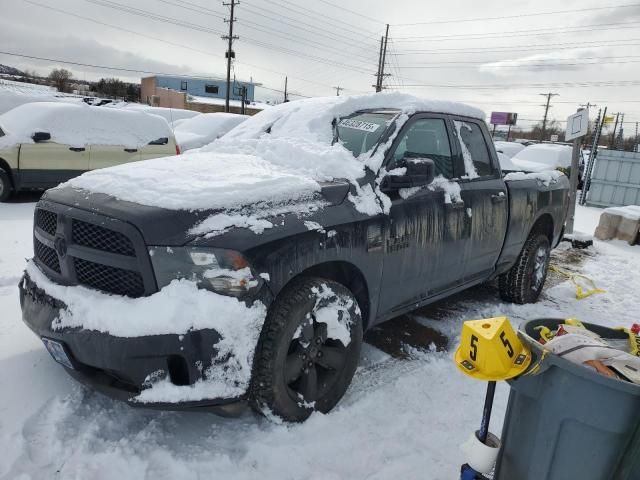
x,y
608,226
628,230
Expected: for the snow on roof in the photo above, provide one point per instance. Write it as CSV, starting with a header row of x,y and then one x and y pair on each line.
x,y
221,101
248,165
543,156
205,128
508,148
80,125
169,114
311,118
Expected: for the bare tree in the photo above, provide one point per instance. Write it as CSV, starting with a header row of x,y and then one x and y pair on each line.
x,y
60,78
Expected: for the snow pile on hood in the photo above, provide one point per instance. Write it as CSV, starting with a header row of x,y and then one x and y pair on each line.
x,y
546,178
163,313
279,154
205,128
80,125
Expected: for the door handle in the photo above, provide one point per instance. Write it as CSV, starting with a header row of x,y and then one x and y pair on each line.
x,y
498,197
131,150
455,205
77,149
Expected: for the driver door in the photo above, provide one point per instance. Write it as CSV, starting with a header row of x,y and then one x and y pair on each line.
x,y
425,235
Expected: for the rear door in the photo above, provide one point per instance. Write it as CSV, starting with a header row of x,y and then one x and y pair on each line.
x,y
46,164
102,156
162,147
424,233
485,194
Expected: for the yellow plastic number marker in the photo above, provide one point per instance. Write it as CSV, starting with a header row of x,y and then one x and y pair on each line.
x,y
490,350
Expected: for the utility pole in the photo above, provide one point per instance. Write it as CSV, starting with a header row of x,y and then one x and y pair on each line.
x,y
546,111
230,53
381,60
338,88
619,144
612,142
384,56
377,85
286,97
637,145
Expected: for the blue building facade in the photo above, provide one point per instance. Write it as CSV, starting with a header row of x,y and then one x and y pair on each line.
x,y
200,87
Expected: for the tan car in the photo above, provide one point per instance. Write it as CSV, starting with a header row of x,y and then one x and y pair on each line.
x,y
45,144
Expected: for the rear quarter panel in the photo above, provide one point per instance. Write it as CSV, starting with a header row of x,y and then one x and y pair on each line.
x,y
529,200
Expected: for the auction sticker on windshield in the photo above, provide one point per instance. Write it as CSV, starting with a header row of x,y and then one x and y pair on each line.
x,y
359,125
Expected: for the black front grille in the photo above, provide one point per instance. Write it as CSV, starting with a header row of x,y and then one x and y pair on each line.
x,y
109,279
47,255
76,247
100,238
47,221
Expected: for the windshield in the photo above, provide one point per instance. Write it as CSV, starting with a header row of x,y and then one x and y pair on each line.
x,y
359,133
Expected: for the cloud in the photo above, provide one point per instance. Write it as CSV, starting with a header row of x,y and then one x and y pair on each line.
x,y
80,50
575,59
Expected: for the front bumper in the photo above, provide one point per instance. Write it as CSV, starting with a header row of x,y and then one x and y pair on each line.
x,y
121,367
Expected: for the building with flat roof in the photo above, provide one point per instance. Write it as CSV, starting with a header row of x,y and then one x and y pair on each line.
x,y
199,94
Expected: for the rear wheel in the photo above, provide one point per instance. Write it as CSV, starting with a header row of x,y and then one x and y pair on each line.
x,y
308,350
5,185
524,281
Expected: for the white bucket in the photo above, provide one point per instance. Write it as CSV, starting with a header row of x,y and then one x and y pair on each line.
x,y
481,456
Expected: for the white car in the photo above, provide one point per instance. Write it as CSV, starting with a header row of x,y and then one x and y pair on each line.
x,y
203,129
508,148
543,156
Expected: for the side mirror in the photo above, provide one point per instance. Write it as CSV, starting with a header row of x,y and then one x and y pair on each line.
x,y
41,137
419,172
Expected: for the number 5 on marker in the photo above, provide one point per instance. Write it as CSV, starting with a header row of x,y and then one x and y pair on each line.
x,y
506,343
473,355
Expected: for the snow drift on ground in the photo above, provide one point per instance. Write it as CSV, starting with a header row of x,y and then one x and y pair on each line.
x,y
80,125
198,131
285,164
399,419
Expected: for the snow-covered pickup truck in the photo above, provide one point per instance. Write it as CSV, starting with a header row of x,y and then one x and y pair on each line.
x,y
247,272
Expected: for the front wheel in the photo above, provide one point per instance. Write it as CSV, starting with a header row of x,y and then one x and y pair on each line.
x,y
5,185
524,281
308,350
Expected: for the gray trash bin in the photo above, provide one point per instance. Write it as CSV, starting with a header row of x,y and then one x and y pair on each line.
x,y
567,422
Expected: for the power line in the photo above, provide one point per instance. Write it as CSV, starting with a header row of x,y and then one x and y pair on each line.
x,y
518,33
352,12
522,65
520,48
521,15
483,62
313,82
607,83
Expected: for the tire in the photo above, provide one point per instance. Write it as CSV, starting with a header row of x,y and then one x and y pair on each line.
x,y
297,368
523,283
5,185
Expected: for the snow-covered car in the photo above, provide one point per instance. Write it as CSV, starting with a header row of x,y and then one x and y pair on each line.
x,y
198,131
543,157
44,143
508,148
249,273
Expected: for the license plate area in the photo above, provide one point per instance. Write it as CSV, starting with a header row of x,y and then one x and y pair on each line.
x,y
59,352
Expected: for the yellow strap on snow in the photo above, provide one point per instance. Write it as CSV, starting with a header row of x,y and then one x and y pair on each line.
x,y
585,287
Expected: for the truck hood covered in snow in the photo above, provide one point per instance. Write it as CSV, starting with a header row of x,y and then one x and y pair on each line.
x,y
277,157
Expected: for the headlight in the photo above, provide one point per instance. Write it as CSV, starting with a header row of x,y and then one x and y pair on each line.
x,y
222,271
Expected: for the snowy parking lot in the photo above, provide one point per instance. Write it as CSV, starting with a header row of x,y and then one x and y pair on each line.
x,y
403,417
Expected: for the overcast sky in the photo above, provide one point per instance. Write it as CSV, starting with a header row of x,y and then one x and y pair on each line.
x,y
322,44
